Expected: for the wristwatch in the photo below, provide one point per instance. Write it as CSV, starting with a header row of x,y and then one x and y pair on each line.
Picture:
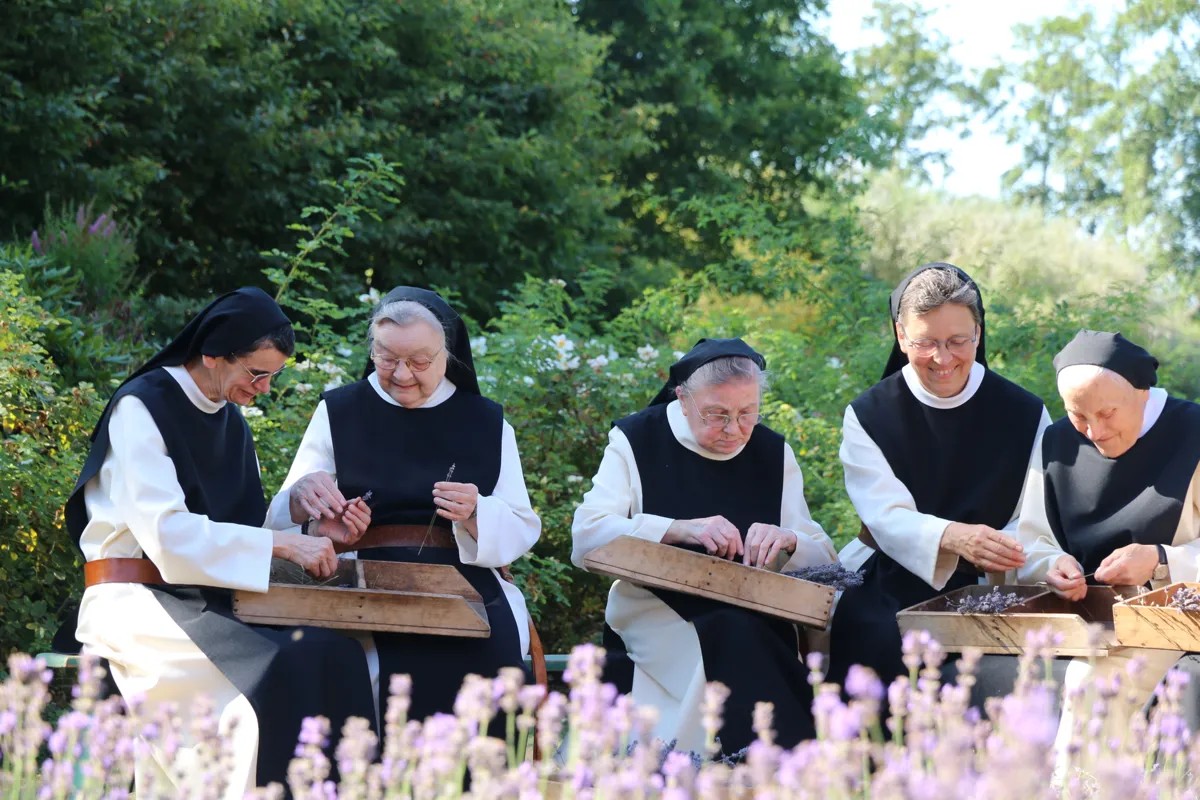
x,y
1162,572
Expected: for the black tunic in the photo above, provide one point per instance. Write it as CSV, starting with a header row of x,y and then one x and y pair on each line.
x,y
965,464
754,655
1096,504
399,454
286,673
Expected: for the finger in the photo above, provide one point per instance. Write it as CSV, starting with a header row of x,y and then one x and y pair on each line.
x,y
709,544
773,552
312,509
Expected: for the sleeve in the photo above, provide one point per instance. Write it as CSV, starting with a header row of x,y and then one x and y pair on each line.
x,y
1033,525
612,507
1035,458
187,548
315,454
1183,554
813,545
889,511
507,525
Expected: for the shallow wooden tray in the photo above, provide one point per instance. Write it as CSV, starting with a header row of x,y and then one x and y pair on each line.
x,y
389,596
1148,621
1004,633
662,566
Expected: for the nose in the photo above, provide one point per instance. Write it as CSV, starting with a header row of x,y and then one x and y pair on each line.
x,y
942,354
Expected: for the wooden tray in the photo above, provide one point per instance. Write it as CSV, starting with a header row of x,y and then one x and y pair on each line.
x,y
1148,621
1005,632
662,566
395,597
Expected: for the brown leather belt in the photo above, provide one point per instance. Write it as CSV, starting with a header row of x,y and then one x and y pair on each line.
x,y
121,570
402,536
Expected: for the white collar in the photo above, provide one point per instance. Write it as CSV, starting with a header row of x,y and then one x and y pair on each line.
x,y
1154,408
974,379
193,391
683,434
440,395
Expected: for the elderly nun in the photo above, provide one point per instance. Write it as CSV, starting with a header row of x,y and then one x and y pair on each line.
x,y
696,469
168,512
1114,494
935,456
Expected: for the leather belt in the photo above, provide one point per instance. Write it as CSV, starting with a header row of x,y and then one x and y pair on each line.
x,y
121,570
402,536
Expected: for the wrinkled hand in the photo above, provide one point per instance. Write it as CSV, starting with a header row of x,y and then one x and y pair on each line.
x,y
984,546
315,496
348,528
1131,565
765,542
313,553
1066,578
716,535
455,501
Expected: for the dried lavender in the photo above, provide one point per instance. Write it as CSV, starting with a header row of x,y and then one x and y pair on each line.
x,y
433,519
1186,599
834,575
994,602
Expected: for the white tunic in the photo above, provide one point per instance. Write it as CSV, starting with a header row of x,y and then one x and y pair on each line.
x,y
886,506
507,524
136,507
668,666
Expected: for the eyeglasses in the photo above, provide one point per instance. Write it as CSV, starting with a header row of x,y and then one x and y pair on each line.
x,y
414,363
718,422
258,376
958,345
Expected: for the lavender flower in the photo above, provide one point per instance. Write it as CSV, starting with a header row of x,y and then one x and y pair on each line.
x,y
834,575
993,602
1185,599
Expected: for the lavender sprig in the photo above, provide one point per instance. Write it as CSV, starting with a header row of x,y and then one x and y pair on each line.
x,y
433,519
834,575
994,602
1186,599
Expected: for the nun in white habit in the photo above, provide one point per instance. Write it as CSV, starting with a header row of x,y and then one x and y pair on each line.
x,y
696,469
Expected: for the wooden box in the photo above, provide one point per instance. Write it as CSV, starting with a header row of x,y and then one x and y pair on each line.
x,y
396,597
1147,620
662,566
1005,632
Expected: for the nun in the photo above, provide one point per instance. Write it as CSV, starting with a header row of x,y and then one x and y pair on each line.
x,y
935,456
169,514
1114,495
445,480
697,469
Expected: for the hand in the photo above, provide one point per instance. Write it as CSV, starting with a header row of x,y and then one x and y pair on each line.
x,y
1066,578
315,496
455,501
765,542
313,553
348,528
985,547
716,535
1131,565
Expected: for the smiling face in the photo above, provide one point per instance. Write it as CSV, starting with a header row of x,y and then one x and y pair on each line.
x,y
733,398
417,340
943,370
233,379
1104,407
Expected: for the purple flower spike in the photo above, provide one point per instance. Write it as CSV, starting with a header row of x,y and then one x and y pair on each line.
x,y
862,683
81,218
37,243
96,226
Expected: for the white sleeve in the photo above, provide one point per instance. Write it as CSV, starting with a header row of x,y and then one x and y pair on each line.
x,y
889,511
613,506
315,454
1035,458
506,522
1033,526
1183,554
813,545
187,548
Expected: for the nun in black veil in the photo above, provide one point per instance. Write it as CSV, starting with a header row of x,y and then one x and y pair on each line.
x,y
696,469
935,456
169,515
417,433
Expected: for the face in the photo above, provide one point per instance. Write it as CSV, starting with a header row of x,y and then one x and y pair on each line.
x,y
410,388
232,378
732,398
944,370
1104,407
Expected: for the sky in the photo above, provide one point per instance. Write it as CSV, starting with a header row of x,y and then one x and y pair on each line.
x,y
981,33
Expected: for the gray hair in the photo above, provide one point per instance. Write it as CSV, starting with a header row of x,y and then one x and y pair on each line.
x,y
934,288
403,312
723,370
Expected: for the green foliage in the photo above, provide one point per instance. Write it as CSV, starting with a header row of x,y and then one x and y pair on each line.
x,y
43,439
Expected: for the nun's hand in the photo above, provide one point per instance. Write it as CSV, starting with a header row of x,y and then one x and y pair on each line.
x,y
1066,578
313,553
455,501
1131,565
348,528
315,496
984,546
765,542
717,535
